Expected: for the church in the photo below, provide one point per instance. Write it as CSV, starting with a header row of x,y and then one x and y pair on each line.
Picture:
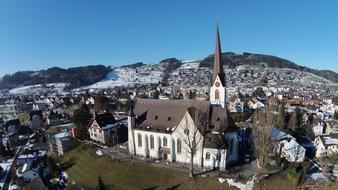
x,y
177,130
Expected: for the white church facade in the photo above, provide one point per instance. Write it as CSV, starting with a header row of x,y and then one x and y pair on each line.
x,y
174,129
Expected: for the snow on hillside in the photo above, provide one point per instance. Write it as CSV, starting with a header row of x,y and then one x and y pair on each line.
x,y
39,87
147,74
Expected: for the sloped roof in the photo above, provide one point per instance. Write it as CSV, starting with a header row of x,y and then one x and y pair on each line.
x,y
214,141
221,120
161,115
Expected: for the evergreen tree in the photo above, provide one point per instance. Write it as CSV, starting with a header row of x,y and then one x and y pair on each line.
x,y
101,185
81,119
281,117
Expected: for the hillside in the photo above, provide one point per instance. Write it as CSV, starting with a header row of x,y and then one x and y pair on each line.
x,y
172,71
75,77
233,60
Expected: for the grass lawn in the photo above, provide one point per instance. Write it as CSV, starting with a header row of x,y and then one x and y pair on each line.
x,y
275,183
23,117
85,168
280,182
60,128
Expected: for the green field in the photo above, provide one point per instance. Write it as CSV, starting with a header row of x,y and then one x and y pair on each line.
x,y
86,168
60,128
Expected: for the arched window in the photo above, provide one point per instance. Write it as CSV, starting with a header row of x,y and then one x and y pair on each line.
x,y
151,141
139,140
179,146
207,156
216,94
159,142
165,142
231,148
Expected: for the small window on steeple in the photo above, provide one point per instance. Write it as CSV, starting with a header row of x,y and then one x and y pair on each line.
x,y
216,94
156,117
169,118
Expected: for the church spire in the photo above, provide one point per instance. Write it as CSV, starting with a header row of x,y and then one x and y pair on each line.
x,y
218,66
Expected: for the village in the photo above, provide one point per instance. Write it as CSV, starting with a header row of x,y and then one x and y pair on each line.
x,y
244,124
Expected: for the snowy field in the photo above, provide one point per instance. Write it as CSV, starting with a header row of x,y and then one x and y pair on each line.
x,y
125,76
39,87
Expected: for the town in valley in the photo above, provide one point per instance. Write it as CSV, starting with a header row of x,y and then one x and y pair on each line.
x,y
226,121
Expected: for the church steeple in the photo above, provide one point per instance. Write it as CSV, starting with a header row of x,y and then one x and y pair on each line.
x,y
218,88
218,66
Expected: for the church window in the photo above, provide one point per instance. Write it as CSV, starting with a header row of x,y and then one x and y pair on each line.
x,y
165,141
179,146
139,140
151,141
156,117
207,156
216,94
169,118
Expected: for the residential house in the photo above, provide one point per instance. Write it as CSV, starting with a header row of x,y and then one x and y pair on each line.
x,y
36,118
61,143
105,129
326,145
29,171
287,146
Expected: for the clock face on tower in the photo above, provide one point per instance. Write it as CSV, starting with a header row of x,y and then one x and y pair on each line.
x,y
217,84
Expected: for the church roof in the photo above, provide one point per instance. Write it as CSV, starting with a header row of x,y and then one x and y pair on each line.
x,y
164,115
218,66
215,141
221,120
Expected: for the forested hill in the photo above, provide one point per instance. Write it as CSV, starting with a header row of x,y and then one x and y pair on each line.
x,y
234,60
76,76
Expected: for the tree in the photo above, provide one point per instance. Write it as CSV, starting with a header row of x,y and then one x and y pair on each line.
x,y
264,121
81,119
101,103
259,92
191,136
53,168
281,117
101,185
3,151
296,119
335,115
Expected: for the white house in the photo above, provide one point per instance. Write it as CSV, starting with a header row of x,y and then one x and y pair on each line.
x,y
326,145
166,129
106,130
29,171
290,149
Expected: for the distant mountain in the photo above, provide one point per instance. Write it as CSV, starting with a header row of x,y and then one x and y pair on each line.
x,y
100,76
76,77
234,60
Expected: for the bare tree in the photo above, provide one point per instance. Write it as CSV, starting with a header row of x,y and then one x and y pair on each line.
x,y
264,121
192,137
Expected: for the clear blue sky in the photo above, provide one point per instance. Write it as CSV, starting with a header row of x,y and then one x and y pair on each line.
x,y
39,34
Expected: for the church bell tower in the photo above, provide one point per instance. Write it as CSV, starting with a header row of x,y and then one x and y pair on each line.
x,y
218,90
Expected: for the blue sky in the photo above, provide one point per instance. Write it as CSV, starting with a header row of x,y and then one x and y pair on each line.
x,y
38,34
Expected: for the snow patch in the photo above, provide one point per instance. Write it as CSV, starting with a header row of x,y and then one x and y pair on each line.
x,y
242,186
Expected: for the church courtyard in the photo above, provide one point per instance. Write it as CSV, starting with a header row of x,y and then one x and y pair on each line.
x,y
85,168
